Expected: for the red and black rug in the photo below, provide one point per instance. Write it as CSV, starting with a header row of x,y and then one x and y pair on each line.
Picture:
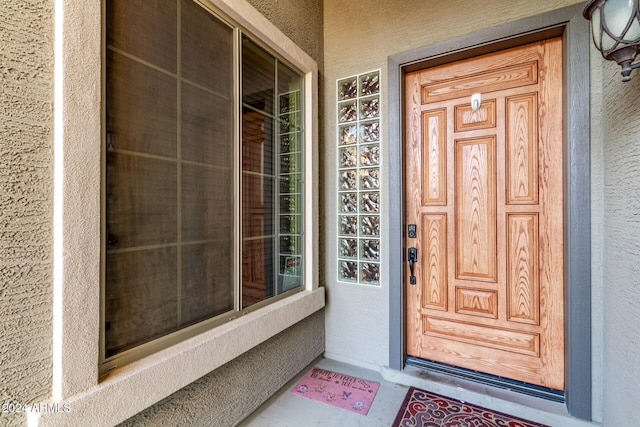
x,y
423,408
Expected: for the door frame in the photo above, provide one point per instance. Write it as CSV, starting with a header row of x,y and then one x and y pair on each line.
x,y
574,29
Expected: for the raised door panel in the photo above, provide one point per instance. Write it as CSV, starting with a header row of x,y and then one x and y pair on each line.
x,y
434,157
475,222
477,302
522,149
482,118
523,287
502,339
434,292
487,81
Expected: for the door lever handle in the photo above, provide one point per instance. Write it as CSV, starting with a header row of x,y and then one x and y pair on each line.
x,y
412,257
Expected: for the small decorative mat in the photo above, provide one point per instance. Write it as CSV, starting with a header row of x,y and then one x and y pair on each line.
x,y
339,390
423,408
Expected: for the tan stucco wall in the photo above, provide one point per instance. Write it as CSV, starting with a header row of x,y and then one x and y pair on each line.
x,y
26,168
233,391
300,20
620,116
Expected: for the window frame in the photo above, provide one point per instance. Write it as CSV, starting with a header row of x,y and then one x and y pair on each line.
x,y
77,154
108,363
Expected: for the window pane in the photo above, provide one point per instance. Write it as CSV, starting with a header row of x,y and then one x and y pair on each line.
x,y
142,205
140,297
207,172
145,29
208,116
258,77
271,176
172,178
207,50
170,175
290,172
207,281
142,107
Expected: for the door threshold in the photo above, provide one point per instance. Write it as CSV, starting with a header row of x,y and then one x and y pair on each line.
x,y
557,396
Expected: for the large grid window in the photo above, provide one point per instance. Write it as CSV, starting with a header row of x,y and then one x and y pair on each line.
x,y
203,175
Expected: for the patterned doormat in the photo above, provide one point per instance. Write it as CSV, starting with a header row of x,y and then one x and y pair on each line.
x,y
423,408
340,390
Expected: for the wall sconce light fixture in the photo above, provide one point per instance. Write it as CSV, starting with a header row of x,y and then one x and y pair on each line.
x,y
615,25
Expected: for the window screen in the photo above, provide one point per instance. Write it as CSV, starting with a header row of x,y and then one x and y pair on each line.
x,y
203,191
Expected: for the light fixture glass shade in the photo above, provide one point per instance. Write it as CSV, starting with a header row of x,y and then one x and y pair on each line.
x,y
615,26
633,33
596,30
617,14
607,42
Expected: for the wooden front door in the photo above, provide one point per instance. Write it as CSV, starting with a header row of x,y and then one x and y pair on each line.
x,y
484,189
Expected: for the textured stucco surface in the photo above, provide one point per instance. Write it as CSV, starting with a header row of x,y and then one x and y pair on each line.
x,y
232,392
621,158
26,123
300,20
597,233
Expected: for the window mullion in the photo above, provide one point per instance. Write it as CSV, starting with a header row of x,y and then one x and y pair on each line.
x,y
276,182
179,161
237,121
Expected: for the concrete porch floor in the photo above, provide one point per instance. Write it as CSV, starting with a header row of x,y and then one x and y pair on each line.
x,y
285,409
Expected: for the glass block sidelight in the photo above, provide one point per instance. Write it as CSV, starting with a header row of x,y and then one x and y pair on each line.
x,y
349,202
370,273
348,88
370,179
290,203
370,155
348,225
349,179
348,248
370,225
290,245
369,83
290,163
369,108
370,202
289,122
348,111
348,157
348,134
348,271
369,131
370,249
359,189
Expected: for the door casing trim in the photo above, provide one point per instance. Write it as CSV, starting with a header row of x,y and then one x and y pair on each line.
x,y
574,29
